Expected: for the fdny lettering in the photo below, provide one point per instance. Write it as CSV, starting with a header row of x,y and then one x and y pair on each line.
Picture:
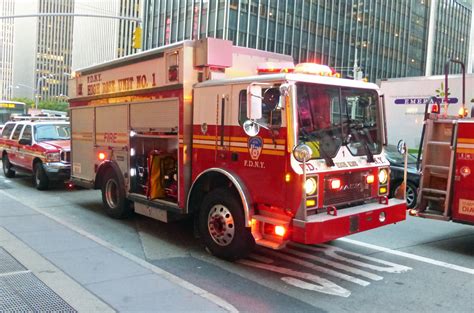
x,y
93,89
125,84
94,78
309,167
108,87
110,137
141,82
254,164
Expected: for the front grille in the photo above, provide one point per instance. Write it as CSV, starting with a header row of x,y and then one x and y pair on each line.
x,y
66,156
353,188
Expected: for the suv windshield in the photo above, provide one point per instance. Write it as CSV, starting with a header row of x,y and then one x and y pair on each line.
x,y
52,132
332,116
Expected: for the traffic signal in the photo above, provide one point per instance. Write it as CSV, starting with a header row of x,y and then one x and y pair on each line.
x,y
137,38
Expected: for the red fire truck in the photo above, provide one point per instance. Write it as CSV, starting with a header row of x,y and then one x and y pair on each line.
x,y
447,184
191,129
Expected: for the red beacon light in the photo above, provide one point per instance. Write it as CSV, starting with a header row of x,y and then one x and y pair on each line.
x,y
435,108
316,69
275,67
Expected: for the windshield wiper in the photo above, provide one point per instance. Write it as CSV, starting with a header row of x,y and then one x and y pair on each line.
x,y
324,154
368,152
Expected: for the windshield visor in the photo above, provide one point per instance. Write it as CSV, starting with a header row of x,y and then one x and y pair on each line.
x,y
332,116
52,132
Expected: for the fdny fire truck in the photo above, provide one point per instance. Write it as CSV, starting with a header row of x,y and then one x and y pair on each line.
x,y
293,154
447,141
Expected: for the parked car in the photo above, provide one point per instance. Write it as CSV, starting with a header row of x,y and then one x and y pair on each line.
x,y
37,146
396,174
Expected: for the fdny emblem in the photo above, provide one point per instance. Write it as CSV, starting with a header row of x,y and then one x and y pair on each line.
x,y
255,145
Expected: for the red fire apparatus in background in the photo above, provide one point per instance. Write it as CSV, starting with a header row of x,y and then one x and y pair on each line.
x,y
447,183
191,129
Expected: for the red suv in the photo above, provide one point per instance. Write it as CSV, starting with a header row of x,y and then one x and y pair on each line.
x,y
37,146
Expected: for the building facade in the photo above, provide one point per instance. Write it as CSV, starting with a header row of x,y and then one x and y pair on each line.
x,y
100,39
42,49
6,49
381,38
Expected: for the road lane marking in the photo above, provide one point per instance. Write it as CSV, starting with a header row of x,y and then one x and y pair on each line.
x,y
333,252
320,268
410,256
261,258
321,284
337,265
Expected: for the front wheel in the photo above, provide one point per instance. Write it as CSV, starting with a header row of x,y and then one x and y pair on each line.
x,y
40,179
222,226
7,167
113,197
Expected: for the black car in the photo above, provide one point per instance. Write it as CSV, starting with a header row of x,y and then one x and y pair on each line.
x,y
396,176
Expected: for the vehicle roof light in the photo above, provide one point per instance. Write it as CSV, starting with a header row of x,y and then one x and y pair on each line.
x,y
316,69
275,67
435,108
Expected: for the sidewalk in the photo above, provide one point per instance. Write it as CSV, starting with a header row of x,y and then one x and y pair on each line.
x,y
46,265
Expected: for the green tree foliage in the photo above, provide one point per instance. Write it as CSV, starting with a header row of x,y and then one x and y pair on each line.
x,y
47,105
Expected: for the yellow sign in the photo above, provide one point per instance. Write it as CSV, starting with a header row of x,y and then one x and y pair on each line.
x,y
466,207
8,105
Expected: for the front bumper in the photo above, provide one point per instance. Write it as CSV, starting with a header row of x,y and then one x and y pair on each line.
x,y
57,170
324,227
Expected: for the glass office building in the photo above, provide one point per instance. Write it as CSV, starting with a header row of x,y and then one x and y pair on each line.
x,y
384,38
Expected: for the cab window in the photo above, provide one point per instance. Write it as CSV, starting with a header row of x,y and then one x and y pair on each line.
x,y
7,131
269,116
26,133
17,132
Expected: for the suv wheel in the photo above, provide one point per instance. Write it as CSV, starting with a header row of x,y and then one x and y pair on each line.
x,y
40,180
7,167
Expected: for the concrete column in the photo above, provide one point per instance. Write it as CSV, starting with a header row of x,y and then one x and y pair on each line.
x,y
431,38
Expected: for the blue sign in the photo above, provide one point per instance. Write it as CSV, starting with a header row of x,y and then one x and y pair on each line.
x,y
410,101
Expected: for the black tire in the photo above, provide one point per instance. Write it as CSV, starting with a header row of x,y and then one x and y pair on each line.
x,y
113,197
7,167
222,226
40,179
412,195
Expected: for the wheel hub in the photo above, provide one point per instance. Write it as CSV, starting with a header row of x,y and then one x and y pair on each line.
x,y
221,225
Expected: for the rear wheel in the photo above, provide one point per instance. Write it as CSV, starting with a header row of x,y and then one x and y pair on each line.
x,y
113,197
7,167
40,179
222,226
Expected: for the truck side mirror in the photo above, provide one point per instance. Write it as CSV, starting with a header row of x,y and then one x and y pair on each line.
x,y
284,91
254,102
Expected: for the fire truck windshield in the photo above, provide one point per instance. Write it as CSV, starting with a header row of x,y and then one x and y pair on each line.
x,y
52,132
332,116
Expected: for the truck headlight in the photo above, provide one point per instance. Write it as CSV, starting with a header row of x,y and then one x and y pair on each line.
x,y
53,157
311,186
383,176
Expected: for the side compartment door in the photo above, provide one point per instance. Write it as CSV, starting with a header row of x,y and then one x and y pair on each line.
x,y
112,135
463,197
82,144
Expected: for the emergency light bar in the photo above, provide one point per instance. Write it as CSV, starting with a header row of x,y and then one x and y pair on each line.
x,y
316,69
38,118
275,67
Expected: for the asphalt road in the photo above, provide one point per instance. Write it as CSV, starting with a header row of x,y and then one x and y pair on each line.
x,y
416,266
